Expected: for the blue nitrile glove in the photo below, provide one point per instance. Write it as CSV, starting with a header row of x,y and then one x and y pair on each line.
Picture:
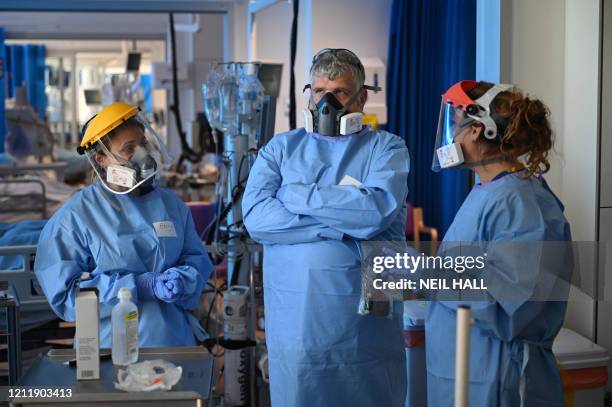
x,y
173,284
164,286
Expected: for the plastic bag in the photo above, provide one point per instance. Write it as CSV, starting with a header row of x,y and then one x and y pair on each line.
x,y
150,375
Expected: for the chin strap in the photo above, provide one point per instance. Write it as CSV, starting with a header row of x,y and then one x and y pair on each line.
x,y
482,163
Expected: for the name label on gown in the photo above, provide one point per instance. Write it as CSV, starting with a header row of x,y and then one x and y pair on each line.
x,y
164,229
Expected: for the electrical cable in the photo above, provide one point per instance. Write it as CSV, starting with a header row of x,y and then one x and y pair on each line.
x,y
293,49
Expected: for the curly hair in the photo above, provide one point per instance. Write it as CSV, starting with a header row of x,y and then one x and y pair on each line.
x,y
524,128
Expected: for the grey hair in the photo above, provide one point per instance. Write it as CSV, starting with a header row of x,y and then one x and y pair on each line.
x,y
333,64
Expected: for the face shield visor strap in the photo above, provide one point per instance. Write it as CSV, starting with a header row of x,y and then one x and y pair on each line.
x,y
374,89
351,101
490,130
358,94
462,125
486,99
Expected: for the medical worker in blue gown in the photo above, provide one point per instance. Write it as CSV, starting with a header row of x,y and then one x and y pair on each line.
x,y
312,195
505,138
123,231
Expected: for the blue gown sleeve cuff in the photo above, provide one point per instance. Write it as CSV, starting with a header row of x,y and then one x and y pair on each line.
x,y
330,233
144,283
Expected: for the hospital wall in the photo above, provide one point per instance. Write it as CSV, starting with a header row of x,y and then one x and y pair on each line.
x,y
580,142
550,49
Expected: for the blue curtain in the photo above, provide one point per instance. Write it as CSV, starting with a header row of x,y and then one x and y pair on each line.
x,y
25,64
432,45
2,93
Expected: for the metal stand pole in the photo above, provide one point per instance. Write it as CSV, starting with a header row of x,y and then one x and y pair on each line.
x,y
236,148
252,351
462,357
238,257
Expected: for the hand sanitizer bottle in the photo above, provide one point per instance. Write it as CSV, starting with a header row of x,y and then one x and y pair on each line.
x,y
125,330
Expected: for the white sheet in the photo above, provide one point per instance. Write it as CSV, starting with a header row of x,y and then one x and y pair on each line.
x,y
56,192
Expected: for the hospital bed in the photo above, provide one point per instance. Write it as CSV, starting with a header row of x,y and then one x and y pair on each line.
x,y
17,250
23,279
23,198
23,169
25,193
34,309
28,196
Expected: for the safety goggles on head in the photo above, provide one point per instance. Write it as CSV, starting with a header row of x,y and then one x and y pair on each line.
x,y
123,149
349,56
459,111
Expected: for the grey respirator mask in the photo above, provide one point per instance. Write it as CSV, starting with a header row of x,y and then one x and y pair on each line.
x,y
145,167
329,117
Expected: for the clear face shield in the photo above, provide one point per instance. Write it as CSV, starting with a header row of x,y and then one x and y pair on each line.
x,y
129,157
451,122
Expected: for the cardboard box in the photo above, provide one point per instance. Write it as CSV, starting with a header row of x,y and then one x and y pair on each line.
x,y
87,335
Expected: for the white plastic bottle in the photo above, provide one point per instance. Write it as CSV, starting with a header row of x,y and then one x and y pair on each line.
x,y
125,330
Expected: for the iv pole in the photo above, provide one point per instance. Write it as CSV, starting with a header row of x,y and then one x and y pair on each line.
x,y
462,356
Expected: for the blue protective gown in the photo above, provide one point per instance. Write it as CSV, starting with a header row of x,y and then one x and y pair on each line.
x,y
321,352
511,338
113,237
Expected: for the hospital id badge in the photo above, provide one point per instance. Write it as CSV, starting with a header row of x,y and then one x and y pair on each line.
x,y
120,175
